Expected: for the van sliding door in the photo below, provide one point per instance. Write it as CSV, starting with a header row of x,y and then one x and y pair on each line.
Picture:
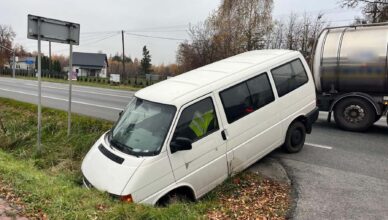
x,y
251,122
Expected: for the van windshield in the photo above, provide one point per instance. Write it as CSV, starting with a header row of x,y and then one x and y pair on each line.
x,y
142,128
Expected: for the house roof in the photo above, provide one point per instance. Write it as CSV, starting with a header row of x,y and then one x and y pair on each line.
x,y
181,89
92,60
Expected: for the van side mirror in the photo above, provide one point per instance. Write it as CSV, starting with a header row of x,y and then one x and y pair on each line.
x,y
121,113
180,144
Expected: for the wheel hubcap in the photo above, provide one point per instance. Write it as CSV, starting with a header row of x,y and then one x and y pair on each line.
x,y
354,114
296,137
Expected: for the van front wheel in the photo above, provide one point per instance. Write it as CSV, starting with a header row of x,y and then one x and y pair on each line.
x,y
296,135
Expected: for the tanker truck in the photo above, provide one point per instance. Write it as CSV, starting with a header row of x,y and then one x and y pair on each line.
x,y
350,72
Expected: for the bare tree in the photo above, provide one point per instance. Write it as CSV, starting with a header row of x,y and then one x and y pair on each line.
x,y
236,26
297,33
7,36
374,10
292,30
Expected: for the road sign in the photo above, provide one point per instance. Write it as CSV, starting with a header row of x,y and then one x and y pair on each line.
x,y
53,30
40,28
29,61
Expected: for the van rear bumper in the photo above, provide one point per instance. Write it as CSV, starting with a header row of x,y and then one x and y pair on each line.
x,y
311,118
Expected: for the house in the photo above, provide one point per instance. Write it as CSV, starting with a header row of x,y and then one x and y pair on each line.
x,y
23,63
90,64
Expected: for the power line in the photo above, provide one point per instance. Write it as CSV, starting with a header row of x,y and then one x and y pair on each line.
x,y
155,37
157,28
162,31
92,42
335,10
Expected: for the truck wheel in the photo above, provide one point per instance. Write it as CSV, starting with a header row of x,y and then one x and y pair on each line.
x,y
354,114
378,117
296,135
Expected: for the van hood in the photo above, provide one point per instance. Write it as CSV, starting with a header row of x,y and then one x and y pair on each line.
x,y
108,169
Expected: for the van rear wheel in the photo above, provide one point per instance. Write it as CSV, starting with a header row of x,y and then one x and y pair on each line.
x,y
295,138
354,114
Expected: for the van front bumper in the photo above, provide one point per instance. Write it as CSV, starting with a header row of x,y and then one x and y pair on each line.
x,y
86,182
311,118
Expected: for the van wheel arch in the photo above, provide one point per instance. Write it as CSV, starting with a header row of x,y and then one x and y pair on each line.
x,y
180,193
303,119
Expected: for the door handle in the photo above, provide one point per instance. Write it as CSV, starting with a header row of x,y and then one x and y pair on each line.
x,y
223,134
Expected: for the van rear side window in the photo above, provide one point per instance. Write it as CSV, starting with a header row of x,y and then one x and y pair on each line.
x,y
289,76
246,97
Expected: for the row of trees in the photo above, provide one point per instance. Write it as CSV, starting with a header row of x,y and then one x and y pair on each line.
x,y
48,63
136,67
7,36
239,26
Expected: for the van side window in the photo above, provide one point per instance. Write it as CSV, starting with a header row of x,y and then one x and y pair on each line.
x,y
197,121
289,76
237,102
246,97
261,91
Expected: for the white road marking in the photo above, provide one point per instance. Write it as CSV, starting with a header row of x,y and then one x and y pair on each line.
x,y
319,146
60,99
76,90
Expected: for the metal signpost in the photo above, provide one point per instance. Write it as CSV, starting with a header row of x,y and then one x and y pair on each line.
x,y
47,29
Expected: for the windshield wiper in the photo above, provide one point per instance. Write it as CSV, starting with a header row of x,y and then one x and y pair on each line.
x,y
122,147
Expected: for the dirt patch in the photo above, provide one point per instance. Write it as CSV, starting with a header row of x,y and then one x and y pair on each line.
x,y
11,206
253,197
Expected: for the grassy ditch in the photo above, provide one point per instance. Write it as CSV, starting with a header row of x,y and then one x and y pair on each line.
x,y
48,184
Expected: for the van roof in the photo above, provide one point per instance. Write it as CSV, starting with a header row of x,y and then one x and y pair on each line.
x,y
183,88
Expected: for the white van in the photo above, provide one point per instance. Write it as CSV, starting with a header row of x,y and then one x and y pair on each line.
x,y
186,135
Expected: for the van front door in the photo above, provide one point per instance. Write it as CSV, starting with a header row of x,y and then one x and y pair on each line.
x,y
204,165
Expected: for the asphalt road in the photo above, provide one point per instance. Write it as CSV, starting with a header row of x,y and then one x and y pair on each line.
x,y
96,102
338,174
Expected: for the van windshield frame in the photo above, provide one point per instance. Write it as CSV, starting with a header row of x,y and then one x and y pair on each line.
x,y
142,128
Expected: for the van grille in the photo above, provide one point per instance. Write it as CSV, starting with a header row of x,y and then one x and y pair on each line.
x,y
110,155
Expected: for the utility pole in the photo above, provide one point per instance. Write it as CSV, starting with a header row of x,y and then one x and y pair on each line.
x,y
122,40
50,68
13,64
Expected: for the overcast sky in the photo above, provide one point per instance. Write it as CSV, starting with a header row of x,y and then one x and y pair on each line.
x,y
102,21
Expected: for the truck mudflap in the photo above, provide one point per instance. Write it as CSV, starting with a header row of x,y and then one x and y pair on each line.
x,y
311,118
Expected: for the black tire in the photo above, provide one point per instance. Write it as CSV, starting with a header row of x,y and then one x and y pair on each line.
x,y
354,114
172,198
378,117
295,137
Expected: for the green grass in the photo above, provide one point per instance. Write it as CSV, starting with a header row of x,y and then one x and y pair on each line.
x,y
51,181
82,83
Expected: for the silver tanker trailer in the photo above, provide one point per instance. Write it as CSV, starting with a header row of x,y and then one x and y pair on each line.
x,y
350,73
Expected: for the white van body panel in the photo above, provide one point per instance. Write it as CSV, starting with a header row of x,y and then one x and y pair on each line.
x,y
213,157
207,158
151,177
105,174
